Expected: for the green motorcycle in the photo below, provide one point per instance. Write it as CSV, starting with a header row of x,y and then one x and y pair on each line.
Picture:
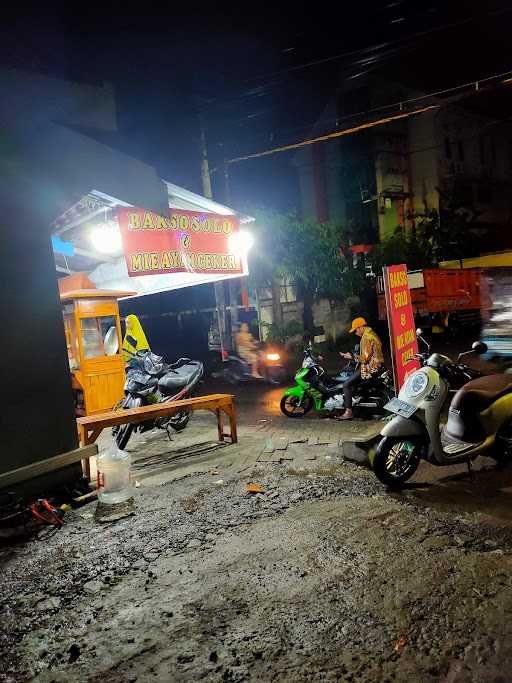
x,y
315,389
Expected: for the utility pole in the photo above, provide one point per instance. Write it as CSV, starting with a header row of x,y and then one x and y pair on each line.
x,y
227,185
233,285
218,287
240,283
205,168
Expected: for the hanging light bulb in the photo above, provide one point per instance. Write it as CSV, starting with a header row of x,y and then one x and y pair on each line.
x,y
241,242
106,238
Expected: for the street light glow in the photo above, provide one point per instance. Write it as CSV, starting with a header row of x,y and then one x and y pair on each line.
x,y
241,242
106,238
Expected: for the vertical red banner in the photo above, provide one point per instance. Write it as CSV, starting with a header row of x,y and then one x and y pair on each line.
x,y
402,330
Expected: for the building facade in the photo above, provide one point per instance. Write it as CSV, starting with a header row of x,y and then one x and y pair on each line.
x,y
392,175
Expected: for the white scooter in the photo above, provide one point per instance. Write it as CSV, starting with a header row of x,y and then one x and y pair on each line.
x,y
479,419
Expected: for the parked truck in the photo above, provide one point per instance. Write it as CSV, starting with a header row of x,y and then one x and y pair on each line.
x,y
443,299
496,295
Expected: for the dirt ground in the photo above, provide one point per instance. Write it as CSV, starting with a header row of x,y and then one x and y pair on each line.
x,y
324,576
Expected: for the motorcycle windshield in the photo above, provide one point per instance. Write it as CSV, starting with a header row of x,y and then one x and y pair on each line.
x,y
139,376
153,364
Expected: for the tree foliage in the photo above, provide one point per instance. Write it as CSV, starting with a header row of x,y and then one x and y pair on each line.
x,y
306,252
315,256
282,333
453,234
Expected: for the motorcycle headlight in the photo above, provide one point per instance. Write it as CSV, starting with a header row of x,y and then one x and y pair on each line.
x,y
273,356
417,383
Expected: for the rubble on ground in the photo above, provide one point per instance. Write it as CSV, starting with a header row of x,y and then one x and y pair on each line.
x,y
321,576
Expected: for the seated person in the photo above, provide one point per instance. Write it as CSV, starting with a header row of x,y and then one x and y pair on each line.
x,y
370,359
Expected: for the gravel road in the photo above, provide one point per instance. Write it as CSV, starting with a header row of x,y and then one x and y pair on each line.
x,y
323,576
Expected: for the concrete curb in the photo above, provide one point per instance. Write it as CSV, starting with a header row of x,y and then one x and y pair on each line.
x,y
358,450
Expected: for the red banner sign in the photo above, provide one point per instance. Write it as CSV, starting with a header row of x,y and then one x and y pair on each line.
x,y
402,330
180,241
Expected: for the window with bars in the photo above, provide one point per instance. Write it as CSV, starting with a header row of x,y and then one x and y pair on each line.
x,y
288,291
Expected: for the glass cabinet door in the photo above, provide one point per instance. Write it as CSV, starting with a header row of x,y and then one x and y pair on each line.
x,y
99,336
91,338
71,342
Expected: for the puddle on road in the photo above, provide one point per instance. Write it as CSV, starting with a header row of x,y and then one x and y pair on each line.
x,y
488,493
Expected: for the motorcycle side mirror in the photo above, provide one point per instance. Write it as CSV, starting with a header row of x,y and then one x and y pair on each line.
x,y
419,334
479,347
476,347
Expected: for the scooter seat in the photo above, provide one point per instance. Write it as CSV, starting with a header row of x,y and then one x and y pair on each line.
x,y
473,398
179,377
480,393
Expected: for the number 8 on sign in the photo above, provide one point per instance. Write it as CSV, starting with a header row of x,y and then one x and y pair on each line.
x,y
403,319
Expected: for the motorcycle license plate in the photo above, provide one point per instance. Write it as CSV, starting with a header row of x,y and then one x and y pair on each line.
x,y
400,407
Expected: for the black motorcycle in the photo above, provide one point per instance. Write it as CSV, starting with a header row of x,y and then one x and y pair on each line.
x,y
150,380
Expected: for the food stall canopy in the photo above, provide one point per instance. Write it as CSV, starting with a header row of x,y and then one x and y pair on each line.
x,y
90,232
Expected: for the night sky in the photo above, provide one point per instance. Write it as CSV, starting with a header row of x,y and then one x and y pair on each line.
x,y
244,72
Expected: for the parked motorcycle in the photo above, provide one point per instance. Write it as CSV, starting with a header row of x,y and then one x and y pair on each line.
x,y
150,380
315,389
270,366
479,419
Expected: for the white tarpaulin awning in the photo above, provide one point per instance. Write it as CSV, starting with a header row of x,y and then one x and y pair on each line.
x,y
114,275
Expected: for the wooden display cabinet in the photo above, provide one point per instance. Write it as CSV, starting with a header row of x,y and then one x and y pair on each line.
x,y
93,338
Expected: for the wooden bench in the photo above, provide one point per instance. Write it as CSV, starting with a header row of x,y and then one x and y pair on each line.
x,y
90,427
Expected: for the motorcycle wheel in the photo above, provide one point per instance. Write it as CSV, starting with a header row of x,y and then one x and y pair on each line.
x,y
179,421
125,431
502,451
232,377
292,406
123,436
396,460
277,377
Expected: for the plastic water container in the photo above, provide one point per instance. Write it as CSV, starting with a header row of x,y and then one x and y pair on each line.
x,y
113,476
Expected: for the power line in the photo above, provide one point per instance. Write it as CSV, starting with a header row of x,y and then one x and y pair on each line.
x,y
401,103
390,105
375,60
264,90
476,85
371,124
336,134
371,48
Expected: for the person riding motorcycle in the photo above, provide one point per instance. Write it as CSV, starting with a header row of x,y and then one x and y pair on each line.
x,y
248,349
370,360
